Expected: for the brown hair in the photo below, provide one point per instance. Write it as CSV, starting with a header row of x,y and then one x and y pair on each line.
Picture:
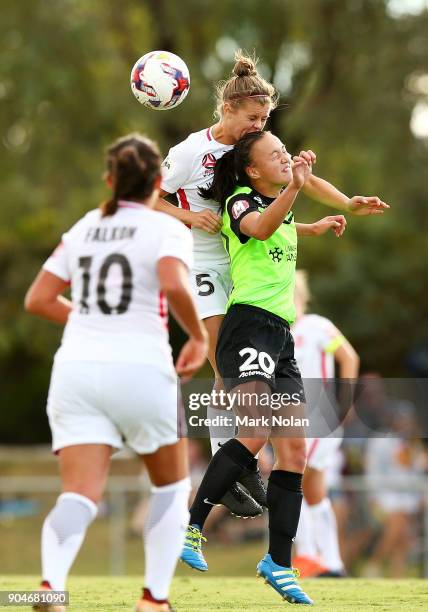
x,y
245,83
133,163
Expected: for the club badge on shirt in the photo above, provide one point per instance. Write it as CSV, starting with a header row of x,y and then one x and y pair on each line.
x,y
239,207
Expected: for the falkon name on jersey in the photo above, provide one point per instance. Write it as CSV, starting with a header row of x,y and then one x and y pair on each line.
x,y
108,234
273,421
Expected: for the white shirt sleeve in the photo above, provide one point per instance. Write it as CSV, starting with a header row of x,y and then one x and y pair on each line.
x,y
57,263
177,242
176,168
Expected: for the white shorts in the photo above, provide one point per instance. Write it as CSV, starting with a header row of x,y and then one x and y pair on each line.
x,y
321,451
112,403
211,287
390,501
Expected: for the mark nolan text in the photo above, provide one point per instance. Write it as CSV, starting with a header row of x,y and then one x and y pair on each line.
x,y
246,421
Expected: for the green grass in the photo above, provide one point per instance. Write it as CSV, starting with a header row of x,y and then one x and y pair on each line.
x,y
200,593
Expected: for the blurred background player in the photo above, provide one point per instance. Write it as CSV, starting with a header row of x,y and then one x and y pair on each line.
x,y
244,103
113,377
319,347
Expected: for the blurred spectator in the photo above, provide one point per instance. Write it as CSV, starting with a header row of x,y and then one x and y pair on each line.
x,y
400,455
372,415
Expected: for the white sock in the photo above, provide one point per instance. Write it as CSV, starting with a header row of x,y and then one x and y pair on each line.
x,y
326,536
220,434
63,532
305,537
164,533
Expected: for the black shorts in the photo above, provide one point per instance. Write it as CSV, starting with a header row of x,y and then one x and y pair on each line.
x,y
255,344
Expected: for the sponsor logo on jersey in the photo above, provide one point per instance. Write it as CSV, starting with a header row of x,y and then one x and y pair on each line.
x,y
258,199
166,163
209,162
255,373
276,254
239,207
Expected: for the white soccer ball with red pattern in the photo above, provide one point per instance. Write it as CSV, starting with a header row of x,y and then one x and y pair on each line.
x,y
160,80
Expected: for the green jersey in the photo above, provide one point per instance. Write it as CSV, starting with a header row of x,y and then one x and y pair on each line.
x,y
263,271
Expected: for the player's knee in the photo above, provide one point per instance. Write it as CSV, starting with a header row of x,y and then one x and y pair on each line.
x,y
88,490
292,455
254,445
314,488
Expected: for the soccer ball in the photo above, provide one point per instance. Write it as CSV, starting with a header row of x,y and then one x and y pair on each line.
x,y
160,80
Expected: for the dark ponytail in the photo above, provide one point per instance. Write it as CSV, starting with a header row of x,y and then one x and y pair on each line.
x,y
224,180
133,163
230,170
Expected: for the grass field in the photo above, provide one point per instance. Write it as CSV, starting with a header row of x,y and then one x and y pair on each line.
x,y
199,593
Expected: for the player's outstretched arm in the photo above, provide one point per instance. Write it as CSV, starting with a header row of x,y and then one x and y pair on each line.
x,y
324,192
44,298
174,283
205,220
337,223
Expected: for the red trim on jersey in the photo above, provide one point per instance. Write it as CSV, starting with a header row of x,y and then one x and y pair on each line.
x,y
312,448
163,310
323,366
184,202
209,136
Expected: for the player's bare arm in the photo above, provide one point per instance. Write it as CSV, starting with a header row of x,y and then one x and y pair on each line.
x,y
205,220
174,283
44,298
348,360
337,223
324,192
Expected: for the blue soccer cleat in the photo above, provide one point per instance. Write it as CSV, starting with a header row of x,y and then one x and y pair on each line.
x,y
192,550
283,580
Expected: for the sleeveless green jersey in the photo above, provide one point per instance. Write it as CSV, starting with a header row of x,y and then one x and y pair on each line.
x,y
263,271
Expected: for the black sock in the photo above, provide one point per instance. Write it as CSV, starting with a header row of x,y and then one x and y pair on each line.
x,y
284,501
254,466
224,469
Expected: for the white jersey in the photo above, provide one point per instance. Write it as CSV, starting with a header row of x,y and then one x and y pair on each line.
x,y
316,340
188,166
119,313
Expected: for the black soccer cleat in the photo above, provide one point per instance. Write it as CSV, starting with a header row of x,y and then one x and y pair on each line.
x,y
255,486
240,503
332,574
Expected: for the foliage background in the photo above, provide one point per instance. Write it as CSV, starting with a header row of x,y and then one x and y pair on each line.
x,y
352,74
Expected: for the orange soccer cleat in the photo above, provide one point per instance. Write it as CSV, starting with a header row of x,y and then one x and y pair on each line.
x,y
147,603
309,566
45,586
